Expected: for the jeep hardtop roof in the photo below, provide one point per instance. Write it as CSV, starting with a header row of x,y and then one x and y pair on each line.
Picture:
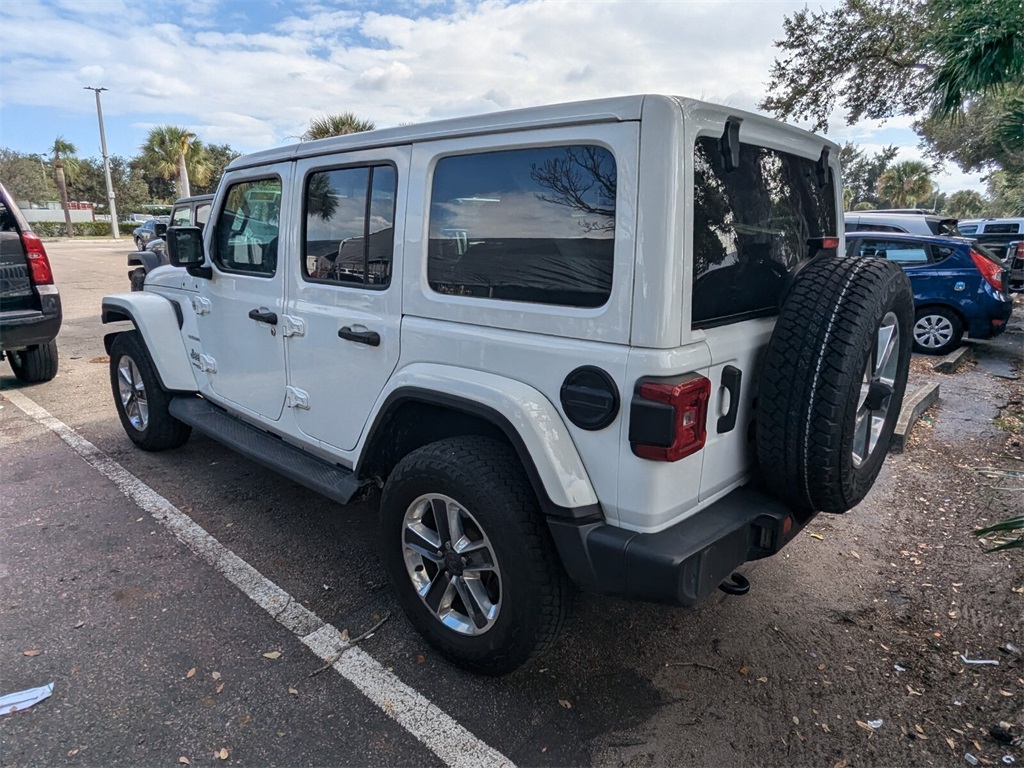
x,y
614,109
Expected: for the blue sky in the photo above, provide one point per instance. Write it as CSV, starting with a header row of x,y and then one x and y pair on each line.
x,y
251,73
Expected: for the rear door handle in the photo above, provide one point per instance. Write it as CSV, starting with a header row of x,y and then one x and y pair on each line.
x,y
263,315
370,338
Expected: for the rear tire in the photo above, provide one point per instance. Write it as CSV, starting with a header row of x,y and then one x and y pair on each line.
x,y
937,331
35,364
142,404
833,381
481,581
137,278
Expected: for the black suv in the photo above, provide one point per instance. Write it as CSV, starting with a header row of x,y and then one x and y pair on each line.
x,y
30,312
187,212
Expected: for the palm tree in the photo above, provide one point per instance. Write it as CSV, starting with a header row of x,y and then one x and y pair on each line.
x,y
906,183
964,204
322,126
173,152
65,169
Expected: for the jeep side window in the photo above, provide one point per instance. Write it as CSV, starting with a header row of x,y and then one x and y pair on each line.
x,y
350,225
180,217
534,225
750,227
202,215
247,228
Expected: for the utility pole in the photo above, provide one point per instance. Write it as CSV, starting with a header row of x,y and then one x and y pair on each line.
x,y
106,164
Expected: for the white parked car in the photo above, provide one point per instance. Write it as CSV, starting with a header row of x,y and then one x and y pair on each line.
x,y
552,337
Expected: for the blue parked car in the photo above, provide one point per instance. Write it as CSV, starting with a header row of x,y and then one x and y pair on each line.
x,y
959,287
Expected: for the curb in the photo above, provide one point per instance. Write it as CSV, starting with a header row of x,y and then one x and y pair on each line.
x,y
913,407
952,361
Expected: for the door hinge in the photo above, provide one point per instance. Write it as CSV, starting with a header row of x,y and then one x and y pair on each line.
x,y
292,326
296,398
207,364
202,306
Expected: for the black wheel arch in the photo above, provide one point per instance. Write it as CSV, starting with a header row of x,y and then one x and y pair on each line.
x,y
412,417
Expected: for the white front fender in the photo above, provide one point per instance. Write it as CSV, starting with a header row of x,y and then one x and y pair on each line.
x,y
527,411
157,322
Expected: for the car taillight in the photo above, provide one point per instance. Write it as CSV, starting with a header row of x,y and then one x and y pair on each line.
x,y
35,256
668,422
990,270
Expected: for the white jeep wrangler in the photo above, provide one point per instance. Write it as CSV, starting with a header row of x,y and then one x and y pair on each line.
x,y
608,343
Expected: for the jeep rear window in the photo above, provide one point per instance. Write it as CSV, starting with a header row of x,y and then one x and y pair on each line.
x,y
751,226
533,225
350,226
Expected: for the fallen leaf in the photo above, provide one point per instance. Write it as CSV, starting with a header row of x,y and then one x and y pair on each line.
x,y
825,728
821,666
74,752
184,760
796,720
344,635
817,536
841,764
912,692
854,554
848,668
79,625
865,726
223,754
292,691
744,670
1005,693
762,679
220,687
420,658
565,703
952,744
32,652
215,675
272,655
191,673
103,359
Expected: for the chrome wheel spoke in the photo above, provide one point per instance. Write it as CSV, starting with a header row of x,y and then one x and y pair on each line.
x,y
470,603
876,389
423,542
440,592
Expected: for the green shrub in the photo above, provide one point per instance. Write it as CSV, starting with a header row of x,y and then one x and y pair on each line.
x,y
79,228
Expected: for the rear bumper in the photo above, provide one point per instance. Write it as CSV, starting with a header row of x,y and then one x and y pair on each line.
x,y
683,564
26,328
993,323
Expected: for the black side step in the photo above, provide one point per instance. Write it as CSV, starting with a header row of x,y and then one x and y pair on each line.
x,y
331,480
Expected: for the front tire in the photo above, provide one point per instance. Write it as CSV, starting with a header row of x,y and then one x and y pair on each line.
x,y
142,404
469,554
35,364
833,381
937,331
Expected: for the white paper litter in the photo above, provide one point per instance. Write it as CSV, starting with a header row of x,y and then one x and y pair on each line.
x,y
14,702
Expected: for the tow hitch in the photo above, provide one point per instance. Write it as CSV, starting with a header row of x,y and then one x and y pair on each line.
x,y
737,584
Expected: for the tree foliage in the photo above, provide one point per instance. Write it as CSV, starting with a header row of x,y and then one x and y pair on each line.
x,y
218,156
861,173
25,176
906,184
882,58
176,153
965,204
324,126
130,190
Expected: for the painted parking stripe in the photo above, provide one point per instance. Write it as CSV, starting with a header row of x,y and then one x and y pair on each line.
x,y
437,731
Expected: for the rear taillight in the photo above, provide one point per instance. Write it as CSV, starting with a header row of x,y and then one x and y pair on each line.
x,y
35,256
668,422
991,270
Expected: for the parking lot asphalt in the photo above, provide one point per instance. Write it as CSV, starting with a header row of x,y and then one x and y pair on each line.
x,y
122,608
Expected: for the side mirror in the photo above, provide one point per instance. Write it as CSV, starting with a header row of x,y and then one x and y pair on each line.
x,y
185,249
160,229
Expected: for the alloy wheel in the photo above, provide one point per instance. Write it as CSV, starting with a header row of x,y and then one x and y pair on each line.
x,y
451,564
133,393
876,389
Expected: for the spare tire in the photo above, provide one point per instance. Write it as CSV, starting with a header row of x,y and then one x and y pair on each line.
x,y
832,382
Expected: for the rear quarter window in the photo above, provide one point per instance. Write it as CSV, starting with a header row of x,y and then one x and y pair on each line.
x,y
530,225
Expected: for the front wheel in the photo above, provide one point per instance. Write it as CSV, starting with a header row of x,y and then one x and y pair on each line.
x,y
469,554
142,404
937,331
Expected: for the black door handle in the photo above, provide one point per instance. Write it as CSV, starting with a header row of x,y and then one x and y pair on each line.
x,y
731,379
263,315
370,338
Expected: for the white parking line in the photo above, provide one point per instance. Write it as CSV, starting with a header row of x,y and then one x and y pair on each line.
x,y
437,731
